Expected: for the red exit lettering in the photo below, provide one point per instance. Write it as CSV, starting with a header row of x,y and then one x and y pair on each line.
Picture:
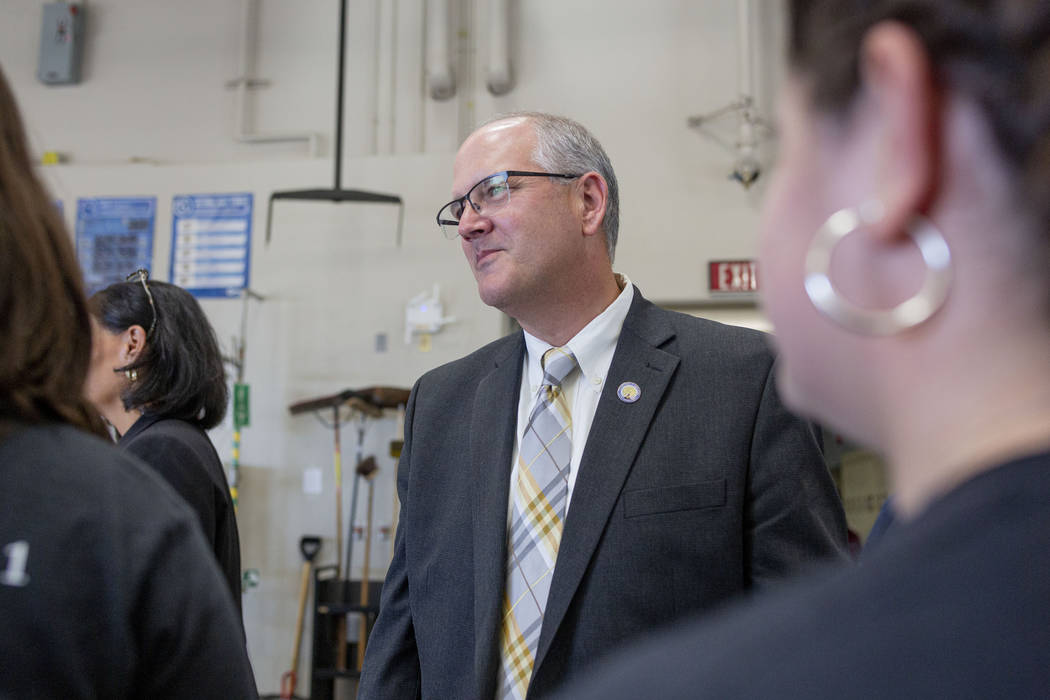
x,y
735,276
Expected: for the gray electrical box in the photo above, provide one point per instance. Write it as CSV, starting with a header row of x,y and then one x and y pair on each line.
x,y
61,43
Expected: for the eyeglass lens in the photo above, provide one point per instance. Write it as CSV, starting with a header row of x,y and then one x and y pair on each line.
x,y
489,194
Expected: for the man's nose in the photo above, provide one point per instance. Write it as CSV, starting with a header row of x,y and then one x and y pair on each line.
x,y
472,224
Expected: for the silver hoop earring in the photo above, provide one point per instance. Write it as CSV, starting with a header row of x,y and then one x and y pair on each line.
x,y
908,313
132,375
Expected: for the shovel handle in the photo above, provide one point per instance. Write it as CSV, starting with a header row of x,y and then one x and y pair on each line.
x,y
304,587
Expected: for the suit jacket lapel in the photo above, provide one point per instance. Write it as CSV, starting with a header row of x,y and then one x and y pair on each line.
x,y
616,435
492,437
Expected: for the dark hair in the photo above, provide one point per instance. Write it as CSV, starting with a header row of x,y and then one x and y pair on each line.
x,y
180,371
995,51
44,323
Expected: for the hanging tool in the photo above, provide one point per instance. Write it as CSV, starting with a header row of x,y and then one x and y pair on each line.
x,y
359,400
376,396
371,401
309,545
337,194
368,465
337,460
368,401
366,470
364,409
396,445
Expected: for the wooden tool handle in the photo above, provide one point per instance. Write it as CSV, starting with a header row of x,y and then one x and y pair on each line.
x,y
304,588
363,632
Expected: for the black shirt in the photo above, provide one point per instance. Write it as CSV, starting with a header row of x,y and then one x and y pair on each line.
x,y
953,604
184,456
107,588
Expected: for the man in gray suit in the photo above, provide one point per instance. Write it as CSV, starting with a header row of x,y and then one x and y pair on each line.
x,y
611,468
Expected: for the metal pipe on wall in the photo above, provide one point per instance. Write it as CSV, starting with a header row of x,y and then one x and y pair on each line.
x,y
498,76
243,133
747,140
386,75
410,66
743,27
440,83
467,67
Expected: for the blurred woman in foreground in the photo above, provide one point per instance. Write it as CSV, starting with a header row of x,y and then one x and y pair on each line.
x,y
107,589
906,267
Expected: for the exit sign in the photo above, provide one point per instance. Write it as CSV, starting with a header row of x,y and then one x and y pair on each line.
x,y
732,276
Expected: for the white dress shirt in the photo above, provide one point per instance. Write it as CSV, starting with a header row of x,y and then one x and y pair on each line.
x,y
593,347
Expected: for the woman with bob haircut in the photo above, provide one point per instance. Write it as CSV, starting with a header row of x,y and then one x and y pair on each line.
x,y
157,377
905,254
107,588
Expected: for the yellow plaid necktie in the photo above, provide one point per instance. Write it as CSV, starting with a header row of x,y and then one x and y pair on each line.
x,y
538,498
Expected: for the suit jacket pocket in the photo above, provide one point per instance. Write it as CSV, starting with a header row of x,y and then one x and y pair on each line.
x,y
668,499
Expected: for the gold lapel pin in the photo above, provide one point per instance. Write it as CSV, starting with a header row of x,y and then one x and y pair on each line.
x,y
629,392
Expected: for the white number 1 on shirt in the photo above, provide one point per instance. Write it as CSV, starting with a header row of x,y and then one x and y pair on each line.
x,y
15,573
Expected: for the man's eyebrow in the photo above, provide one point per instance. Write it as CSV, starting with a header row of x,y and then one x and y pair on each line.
x,y
472,186
460,196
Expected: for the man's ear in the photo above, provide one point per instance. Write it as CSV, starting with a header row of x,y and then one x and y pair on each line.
x,y
133,343
897,77
593,193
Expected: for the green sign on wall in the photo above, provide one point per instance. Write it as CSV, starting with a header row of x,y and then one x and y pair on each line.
x,y
241,414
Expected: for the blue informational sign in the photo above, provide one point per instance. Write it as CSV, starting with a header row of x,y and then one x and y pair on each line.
x,y
114,238
211,243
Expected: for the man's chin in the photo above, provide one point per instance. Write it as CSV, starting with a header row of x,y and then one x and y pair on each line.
x,y
491,297
495,294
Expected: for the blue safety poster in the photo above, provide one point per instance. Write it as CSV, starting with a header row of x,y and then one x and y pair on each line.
x,y
114,238
211,243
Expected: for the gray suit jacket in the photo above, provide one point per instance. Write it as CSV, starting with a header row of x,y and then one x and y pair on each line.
x,y
703,488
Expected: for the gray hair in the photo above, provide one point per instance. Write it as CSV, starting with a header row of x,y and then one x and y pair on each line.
x,y
565,146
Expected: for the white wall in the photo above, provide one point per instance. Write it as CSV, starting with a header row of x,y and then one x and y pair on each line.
x,y
153,116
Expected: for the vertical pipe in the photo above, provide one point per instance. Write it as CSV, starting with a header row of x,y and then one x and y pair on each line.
x,y
440,84
247,61
498,78
410,85
467,53
392,107
386,48
746,140
244,132
744,48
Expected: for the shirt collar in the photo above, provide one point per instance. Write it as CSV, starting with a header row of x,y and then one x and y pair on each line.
x,y
593,346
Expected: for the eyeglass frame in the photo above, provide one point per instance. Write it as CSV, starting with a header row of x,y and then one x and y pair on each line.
x,y
507,174
142,275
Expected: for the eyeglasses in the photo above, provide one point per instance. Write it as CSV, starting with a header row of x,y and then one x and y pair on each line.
x,y
141,275
486,196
